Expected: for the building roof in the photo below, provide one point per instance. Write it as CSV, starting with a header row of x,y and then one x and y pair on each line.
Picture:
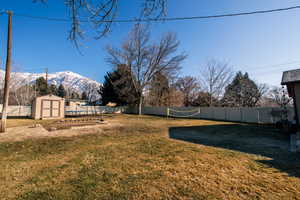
x,y
49,96
76,100
291,76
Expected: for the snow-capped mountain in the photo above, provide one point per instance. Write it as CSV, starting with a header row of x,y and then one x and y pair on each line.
x,y
69,79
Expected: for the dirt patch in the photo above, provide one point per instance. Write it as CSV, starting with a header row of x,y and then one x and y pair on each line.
x,y
29,132
72,122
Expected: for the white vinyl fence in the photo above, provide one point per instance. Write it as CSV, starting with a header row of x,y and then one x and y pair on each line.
x,y
250,115
18,111
264,115
92,110
25,111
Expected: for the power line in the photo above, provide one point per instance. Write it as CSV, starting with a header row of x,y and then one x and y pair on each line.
x,y
165,19
276,65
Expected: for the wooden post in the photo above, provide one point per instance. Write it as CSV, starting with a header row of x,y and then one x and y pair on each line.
x,y
7,73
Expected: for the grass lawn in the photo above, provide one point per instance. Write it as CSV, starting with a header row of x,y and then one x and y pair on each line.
x,y
152,158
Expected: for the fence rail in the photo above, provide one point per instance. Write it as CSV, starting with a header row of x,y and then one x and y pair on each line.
x,y
25,111
92,110
264,115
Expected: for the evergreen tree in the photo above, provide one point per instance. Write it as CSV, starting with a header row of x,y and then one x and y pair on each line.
x,y
204,99
53,89
107,90
118,87
41,86
75,95
189,86
242,92
159,90
61,92
84,96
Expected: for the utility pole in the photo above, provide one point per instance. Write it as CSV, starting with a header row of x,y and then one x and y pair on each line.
x,y
7,73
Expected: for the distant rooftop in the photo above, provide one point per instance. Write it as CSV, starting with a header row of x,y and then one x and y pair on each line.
x,y
291,76
80,100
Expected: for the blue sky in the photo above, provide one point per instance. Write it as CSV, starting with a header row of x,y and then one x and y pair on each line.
x,y
263,45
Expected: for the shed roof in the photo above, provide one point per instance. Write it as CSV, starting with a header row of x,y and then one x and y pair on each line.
x,y
291,76
50,96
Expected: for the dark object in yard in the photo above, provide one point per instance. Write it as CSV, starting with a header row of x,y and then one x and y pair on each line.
x,y
279,125
286,127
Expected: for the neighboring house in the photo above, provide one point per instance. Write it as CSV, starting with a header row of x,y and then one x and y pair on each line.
x,y
292,80
76,102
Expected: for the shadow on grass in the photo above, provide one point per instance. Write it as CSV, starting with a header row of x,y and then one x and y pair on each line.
x,y
252,139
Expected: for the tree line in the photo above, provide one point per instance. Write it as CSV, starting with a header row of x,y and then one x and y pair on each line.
x,y
146,72
25,94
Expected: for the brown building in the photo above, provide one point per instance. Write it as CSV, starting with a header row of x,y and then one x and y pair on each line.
x,y
76,102
292,80
48,107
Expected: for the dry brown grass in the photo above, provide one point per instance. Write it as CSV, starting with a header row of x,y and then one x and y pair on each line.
x,y
138,160
54,123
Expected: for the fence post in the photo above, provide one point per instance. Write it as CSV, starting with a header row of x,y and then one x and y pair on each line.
x,y
19,110
241,112
258,116
168,112
272,120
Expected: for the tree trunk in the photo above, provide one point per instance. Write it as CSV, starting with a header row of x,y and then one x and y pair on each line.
x,y
140,105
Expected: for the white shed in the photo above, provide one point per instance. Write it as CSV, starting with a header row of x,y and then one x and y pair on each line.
x,y
48,107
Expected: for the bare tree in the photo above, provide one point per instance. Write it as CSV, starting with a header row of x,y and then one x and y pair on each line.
x,y
145,58
71,93
279,95
215,76
159,90
24,95
175,98
91,91
263,88
189,86
102,14
21,92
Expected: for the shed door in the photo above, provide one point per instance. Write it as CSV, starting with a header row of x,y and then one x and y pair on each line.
x,y
55,108
46,108
50,108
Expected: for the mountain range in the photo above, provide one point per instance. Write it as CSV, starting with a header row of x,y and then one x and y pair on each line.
x,y
68,79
